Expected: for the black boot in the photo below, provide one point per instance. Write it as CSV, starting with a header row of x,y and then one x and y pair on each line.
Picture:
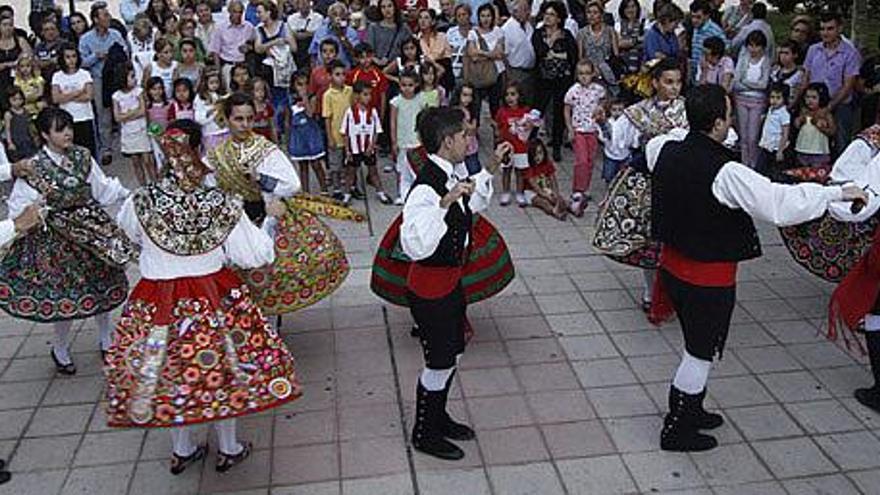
x,y
703,419
427,435
450,428
870,397
679,432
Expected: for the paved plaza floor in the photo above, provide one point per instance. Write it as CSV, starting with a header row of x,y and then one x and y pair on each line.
x,y
565,383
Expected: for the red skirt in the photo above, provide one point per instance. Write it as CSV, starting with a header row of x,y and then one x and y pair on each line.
x,y
487,272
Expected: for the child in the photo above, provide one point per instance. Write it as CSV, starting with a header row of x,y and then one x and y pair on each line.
x,y
157,113
130,111
435,94
264,114
337,99
361,126
715,66
72,90
775,132
209,93
582,101
163,64
405,108
31,83
512,125
411,58
359,24
466,102
189,66
816,125
750,86
240,78
17,122
319,78
306,142
613,159
788,71
366,71
182,105
541,187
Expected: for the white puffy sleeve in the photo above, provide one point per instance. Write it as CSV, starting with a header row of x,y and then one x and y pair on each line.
x,y
106,190
7,232
22,196
5,166
655,145
128,221
277,176
851,164
248,246
482,195
423,223
739,187
624,137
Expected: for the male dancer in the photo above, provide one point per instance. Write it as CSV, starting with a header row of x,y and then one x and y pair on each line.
x,y
437,218
702,204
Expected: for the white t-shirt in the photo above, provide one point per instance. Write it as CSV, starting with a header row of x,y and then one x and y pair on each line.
x,y
128,101
81,111
491,39
771,134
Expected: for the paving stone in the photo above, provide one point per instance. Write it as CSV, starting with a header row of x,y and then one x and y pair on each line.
x,y
13,423
376,420
298,428
527,479
738,391
488,382
27,369
767,359
630,400
397,484
499,412
867,481
836,484
637,434
762,422
545,377
632,344
534,351
19,395
588,347
765,488
155,477
854,450
60,420
794,386
604,372
98,480
45,453
255,472
110,447
655,471
793,457
827,416
373,456
74,391
596,475
325,488
470,481
578,439
523,327
560,406
305,464
574,324
731,465
512,445
36,483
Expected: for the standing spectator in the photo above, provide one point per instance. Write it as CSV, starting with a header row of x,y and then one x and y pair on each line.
x,y
141,39
94,47
869,87
788,72
457,37
487,42
17,122
736,17
661,40
750,90
386,35
31,83
704,28
447,15
556,54
250,12
130,9
230,42
336,28
129,109
72,90
205,24
631,34
12,46
189,66
163,65
519,51
303,24
435,47
79,26
582,102
803,32
278,44
158,11
46,49
835,62
597,42
337,99
715,66
758,23
188,32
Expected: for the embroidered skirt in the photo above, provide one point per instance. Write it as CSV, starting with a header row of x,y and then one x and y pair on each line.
x,y
192,350
309,265
827,247
488,271
623,225
45,277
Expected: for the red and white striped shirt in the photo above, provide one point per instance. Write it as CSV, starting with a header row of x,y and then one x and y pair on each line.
x,y
360,125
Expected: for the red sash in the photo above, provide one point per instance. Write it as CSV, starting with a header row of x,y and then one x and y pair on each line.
x,y
432,282
700,273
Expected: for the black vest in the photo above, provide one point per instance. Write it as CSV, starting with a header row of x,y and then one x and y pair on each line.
x,y
686,215
451,250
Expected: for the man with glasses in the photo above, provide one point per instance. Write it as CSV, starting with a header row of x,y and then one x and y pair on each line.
x,y
835,62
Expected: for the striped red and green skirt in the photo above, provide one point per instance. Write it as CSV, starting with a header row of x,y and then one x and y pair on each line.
x,y
488,271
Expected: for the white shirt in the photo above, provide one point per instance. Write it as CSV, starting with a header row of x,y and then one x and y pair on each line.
x,y
771,133
205,117
423,219
310,23
247,246
105,190
607,140
458,43
740,188
858,164
491,38
7,227
518,44
68,83
128,101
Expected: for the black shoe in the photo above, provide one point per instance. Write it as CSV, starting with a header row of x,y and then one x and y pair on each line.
x,y
225,462
679,434
180,463
64,369
2,464
106,159
357,194
5,476
557,154
449,427
414,330
427,434
869,397
337,195
703,419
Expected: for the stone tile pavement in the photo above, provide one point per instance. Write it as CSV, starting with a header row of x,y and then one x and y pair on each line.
x,y
565,383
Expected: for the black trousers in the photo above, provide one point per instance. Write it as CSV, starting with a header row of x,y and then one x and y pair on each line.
x,y
704,314
441,327
551,93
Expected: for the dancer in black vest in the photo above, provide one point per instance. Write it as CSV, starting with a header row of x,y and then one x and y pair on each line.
x,y
703,203
435,234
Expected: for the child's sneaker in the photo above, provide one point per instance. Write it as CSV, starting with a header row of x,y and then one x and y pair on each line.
x,y
337,195
383,198
388,168
357,194
346,199
505,199
398,201
577,204
521,200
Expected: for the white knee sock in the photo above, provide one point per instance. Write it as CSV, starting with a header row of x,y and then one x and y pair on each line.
x,y
105,331
435,380
648,284
692,374
61,346
872,322
226,437
181,441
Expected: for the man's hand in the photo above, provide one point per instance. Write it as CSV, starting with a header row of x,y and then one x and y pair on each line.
x,y
461,189
276,208
501,155
852,192
23,168
28,219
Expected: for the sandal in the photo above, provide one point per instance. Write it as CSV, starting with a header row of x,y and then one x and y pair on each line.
x,y
64,369
225,462
180,463
646,306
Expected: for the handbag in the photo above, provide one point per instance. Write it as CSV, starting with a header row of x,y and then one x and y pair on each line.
x,y
623,224
481,74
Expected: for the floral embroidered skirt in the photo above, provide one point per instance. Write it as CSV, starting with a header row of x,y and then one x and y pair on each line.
x,y
488,270
309,265
45,277
192,350
623,225
827,247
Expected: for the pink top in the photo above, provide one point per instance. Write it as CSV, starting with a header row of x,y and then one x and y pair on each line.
x,y
158,114
226,40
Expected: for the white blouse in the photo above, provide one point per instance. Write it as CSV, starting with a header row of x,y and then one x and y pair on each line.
x,y
247,246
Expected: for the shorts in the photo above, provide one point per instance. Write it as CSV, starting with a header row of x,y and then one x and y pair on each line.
x,y
519,161
472,162
335,159
361,159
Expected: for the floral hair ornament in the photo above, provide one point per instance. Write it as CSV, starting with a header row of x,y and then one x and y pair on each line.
x,y
183,162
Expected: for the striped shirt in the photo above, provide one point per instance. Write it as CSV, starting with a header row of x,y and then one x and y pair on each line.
x,y
701,34
360,126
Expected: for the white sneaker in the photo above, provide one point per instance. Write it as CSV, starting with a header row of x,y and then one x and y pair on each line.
x,y
505,199
346,199
388,168
521,200
398,201
383,198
